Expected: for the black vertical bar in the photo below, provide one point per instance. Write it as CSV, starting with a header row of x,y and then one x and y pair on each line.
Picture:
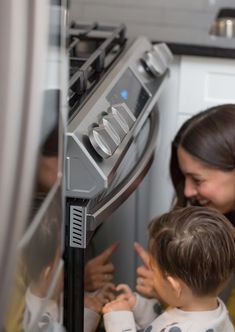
x,y
73,284
78,290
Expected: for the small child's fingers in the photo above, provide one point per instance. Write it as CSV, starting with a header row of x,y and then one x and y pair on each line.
x,y
146,291
143,254
107,268
106,297
125,288
109,306
107,253
106,293
116,306
109,286
122,297
144,271
110,296
106,308
93,303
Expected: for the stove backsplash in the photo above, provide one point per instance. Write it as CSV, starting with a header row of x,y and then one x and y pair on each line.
x,y
153,18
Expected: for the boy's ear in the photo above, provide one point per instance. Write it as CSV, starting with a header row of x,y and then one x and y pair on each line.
x,y
176,285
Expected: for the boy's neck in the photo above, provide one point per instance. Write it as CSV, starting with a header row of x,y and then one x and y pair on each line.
x,y
199,304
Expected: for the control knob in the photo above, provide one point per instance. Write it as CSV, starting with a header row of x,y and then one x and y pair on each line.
x,y
113,121
124,115
157,59
104,140
113,127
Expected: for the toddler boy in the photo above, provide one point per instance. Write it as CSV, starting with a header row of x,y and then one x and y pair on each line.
x,y
192,255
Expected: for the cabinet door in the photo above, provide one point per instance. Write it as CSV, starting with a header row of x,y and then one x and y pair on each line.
x,y
205,82
181,119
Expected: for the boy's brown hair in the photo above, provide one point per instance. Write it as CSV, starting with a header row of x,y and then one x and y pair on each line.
x,y
196,245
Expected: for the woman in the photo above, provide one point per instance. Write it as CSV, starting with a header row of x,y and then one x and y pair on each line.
x,y
202,168
202,162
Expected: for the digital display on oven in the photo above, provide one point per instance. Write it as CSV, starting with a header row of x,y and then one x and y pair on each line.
x,y
130,91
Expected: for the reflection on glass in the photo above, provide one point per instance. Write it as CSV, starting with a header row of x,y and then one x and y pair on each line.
x,y
47,163
15,312
47,169
41,257
37,295
35,303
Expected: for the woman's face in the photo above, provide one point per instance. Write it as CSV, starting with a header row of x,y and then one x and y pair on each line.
x,y
210,187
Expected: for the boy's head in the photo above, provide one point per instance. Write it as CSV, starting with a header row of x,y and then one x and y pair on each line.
x,y
195,246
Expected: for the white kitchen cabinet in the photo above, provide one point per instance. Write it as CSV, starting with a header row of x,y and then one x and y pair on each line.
x,y
205,82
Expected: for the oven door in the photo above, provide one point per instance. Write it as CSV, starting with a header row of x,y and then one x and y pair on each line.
x,y
84,216
132,170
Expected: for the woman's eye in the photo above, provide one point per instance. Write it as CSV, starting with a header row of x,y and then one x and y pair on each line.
x,y
197,181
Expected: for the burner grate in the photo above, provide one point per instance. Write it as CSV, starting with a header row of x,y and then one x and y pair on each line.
x,y
92,50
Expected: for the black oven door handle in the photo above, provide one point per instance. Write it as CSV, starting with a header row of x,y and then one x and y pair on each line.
x,y
130,182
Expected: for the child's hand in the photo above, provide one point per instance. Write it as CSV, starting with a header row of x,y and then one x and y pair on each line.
x,y
125,301
106,293
144,282
93,303
116,305
96,300
126,295
99,270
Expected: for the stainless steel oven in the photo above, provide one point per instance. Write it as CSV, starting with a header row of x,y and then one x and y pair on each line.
x,y
112,134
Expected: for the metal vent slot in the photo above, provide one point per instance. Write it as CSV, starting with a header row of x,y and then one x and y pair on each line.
x,y
77,227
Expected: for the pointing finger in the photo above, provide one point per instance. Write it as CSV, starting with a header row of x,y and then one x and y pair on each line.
x,y
104,256
142,253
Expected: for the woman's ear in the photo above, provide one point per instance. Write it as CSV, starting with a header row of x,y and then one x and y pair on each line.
x,y
176,285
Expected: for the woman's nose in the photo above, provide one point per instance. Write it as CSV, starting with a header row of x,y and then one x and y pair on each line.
x,y
189,188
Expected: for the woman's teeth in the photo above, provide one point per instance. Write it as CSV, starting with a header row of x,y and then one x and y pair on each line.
x,y
203,202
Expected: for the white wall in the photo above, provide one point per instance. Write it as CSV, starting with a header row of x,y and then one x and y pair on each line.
x,y
154,18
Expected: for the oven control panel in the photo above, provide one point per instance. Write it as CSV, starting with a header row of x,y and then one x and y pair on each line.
x,y
103,130
113,127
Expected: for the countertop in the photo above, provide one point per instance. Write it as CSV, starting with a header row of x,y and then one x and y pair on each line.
x,y
198,41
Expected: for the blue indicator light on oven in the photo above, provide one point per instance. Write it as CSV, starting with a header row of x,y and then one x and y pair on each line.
x,y
124,94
